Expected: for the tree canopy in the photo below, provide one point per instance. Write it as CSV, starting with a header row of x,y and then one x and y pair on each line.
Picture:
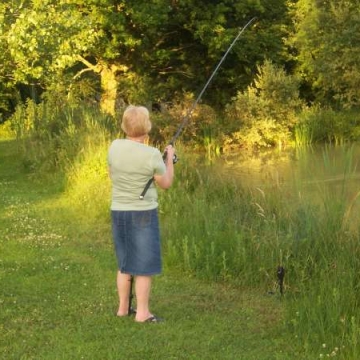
x,y
159,50
327,41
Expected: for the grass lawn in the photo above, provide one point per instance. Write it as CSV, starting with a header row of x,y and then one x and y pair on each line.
x,y
58,295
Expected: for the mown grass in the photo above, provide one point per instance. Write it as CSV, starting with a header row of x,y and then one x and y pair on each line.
x,y
58,293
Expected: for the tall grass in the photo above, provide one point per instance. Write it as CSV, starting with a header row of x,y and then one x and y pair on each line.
x,y
220,231
52,137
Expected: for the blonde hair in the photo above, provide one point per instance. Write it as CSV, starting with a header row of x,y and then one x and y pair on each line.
x,y
136,121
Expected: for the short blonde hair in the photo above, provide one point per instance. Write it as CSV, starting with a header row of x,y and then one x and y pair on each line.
x,y
136,121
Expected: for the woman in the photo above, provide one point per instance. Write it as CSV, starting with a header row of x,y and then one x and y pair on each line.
x,y
135,223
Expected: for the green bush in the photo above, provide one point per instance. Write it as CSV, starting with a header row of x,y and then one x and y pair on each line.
x,y
266,113
201,125
6,130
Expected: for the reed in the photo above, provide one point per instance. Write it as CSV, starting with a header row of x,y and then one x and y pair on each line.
x,y
319,125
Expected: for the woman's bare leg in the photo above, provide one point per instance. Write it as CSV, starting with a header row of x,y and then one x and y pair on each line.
x,y
123,282
142,290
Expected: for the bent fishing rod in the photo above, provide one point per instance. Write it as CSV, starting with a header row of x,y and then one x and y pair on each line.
x,y
192,108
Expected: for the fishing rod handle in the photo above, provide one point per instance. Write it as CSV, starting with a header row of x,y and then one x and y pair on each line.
x,y
146,188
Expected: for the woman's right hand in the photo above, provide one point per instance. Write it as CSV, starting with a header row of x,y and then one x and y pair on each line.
x,y
165,180
170,152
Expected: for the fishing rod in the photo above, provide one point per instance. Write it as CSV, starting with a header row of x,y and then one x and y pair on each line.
x,y
181,127
192,108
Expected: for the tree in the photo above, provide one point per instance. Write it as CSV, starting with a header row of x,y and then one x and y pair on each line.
x,y
327,40
7,92
48,37
150,49
267,111
206,29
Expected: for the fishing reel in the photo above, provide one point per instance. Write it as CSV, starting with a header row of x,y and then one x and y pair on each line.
x,y
175,159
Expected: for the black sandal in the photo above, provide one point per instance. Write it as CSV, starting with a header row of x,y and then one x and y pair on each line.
x,y
154,319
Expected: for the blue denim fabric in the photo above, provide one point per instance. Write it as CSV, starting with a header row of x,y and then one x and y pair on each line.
x,y
137,241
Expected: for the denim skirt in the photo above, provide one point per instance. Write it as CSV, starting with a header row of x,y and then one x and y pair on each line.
x,y
137,241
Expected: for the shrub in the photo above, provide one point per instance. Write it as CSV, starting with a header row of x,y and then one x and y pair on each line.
x,y
6,131
266,112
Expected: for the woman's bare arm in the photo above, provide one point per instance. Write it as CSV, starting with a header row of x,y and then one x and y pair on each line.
x,y
166,180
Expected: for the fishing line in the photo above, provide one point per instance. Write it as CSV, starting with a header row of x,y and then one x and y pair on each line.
x,y
192,108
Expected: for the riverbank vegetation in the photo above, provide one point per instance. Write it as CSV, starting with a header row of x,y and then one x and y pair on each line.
x,y
220,232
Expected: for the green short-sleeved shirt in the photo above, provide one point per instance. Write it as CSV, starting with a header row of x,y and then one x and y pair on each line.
x,y
132,165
